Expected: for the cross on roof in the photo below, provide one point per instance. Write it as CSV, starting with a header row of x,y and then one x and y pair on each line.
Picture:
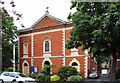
x,y
47,12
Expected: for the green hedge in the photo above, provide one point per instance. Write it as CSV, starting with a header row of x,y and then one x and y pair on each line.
x,y
75,78
66,71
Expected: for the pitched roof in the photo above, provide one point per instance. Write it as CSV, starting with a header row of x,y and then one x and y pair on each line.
x,y
47,16
60,22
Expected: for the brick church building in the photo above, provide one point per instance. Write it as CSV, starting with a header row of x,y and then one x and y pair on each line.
x,y
44,43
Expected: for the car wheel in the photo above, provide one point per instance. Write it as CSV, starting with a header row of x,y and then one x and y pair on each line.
x,y
14,80
20,82
2,81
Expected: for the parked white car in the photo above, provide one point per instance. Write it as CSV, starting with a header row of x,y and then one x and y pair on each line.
x,y
15,77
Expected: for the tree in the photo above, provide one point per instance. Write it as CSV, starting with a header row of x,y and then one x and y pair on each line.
x,y
9,34
100,59
96,27
9,31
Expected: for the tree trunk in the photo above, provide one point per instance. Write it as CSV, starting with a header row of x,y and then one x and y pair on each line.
x,y
113,70
99,68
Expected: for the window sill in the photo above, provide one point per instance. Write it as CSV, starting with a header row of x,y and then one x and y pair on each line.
x,y
46,52
25,55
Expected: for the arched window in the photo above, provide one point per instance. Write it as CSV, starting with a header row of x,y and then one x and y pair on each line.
x,y
47,62
47,46
74,64
47,69
25,64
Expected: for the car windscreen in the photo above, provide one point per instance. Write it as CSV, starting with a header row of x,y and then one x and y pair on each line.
x,y
22,75
93,73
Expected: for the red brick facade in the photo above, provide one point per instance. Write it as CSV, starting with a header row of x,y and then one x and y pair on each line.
x,y
58,32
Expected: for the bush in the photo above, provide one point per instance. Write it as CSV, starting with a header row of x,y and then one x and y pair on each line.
x,y
9,69
66,71
54,78
32,76
40,77
117,73
81,75
47,78
19,71
74,78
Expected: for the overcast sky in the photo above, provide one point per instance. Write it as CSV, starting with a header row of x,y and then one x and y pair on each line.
x,y
33,10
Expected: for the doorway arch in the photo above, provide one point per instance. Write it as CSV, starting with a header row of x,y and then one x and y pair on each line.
x,y
47,61
48,69
25,67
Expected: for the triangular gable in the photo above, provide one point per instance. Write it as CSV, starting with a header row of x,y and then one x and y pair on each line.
x,y
47,20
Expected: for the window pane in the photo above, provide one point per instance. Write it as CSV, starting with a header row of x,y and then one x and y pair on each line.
x,y
46,46
12,75
5,74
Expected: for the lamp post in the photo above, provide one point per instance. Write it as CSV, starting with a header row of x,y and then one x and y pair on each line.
x,y
13,61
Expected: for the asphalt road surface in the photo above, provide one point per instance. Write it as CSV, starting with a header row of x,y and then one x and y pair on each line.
x,y
101,79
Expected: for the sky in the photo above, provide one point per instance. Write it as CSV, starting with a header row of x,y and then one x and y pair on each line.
x,y
32,10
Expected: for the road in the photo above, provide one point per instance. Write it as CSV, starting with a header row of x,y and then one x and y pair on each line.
x,y
102,79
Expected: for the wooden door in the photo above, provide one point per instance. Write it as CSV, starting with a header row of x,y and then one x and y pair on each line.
x,y
26,69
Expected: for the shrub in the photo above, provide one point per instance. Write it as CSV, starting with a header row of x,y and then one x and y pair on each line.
x,y
44,72
32,75
41,77
54,78
117,73
46,69
19,71
66,71
74,78
81,75
9,69
47,78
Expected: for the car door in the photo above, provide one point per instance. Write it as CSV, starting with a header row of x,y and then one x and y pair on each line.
x,y
12,77
5,76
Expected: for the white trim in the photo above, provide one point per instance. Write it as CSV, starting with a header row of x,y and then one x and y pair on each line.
x,y
53,56
23,66
69,28
74,51
118,59
25,35
86,66
36,33
76,55
47,38
75,60
86,52
63,45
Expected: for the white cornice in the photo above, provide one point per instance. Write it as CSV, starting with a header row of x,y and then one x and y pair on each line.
x,y
53,56
54,30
